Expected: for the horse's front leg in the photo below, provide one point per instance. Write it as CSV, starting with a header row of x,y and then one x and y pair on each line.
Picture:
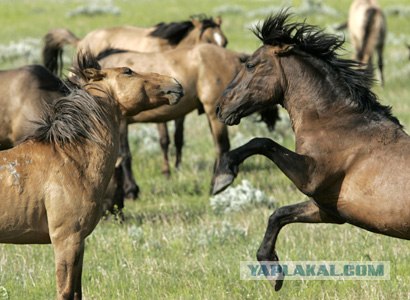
x,y
164,143
305,212
69,253
131,188
295,166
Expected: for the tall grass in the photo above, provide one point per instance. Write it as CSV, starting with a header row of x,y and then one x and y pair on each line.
x,y
172,244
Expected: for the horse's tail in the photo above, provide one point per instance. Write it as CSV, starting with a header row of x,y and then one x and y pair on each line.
x,y
54,42
372,33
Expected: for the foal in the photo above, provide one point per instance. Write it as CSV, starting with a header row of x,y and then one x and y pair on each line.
x,y
52,185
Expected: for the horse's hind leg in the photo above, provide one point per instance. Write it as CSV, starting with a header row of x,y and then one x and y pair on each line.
x,y
305,212
164,143
69,254
179,140
379,50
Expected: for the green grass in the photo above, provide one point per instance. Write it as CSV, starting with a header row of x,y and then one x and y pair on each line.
x,y
172,245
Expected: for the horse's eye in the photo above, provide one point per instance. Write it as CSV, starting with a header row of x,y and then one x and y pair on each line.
x,y
127,71
249,66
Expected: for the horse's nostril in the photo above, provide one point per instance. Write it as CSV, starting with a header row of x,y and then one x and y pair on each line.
x,y
218,109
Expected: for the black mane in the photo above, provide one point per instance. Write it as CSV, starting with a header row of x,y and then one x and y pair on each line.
x,y
107,52
277,30
175,32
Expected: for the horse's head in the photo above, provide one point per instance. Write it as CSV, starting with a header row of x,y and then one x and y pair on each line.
x,y
135,92
258,84
209,31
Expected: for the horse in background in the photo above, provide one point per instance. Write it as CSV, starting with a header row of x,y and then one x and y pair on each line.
x,y
52,184
163,36
367,29
203,70
351,154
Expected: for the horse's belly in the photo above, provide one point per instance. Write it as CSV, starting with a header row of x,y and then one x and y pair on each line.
x,y
24,237
166,113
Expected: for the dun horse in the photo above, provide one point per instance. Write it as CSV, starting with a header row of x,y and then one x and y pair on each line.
x,y
203,78
161,37
351,156
367,28
52,184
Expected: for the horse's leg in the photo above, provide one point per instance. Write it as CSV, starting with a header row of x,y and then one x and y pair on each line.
x,y
131,188
305,212
68,252
78,274
179,140
296,167
379,50
117,203
164,142
220,136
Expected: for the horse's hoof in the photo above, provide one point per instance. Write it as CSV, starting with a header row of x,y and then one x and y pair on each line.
x,y
133,195
221,182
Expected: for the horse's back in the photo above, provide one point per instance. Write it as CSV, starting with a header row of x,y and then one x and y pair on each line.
x,y
123,37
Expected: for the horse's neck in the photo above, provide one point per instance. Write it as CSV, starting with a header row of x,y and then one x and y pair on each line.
x,y
310,97
190,39
98,157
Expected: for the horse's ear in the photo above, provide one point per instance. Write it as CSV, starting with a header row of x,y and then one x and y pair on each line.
x,y
282,49
93,74
196,22
218,20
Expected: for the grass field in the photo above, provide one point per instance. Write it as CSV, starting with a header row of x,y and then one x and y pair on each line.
x,y
173,244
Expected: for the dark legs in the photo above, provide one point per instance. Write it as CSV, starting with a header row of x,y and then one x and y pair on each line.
x,y
296,167
131,188
165,141
305,212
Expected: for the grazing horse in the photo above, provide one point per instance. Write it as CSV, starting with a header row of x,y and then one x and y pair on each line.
x,y
53,183
164,36
351,156
203,78
367,28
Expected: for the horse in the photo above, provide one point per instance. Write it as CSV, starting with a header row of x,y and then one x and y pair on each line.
x,y
351,154
52,184
163,36
203,78
26,91
367,29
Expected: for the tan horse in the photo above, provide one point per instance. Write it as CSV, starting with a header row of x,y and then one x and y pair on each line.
x,y
26,91
200,72
351,156
367,28
52,184
163,36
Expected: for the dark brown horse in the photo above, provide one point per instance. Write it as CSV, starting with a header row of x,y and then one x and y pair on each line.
x,y
351,156
52,184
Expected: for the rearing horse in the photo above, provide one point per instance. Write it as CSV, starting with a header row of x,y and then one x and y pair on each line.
x,y
351,156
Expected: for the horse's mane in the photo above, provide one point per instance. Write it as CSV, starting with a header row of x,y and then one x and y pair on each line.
x,y
76,116
175,32
276,30
110,51
47,80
